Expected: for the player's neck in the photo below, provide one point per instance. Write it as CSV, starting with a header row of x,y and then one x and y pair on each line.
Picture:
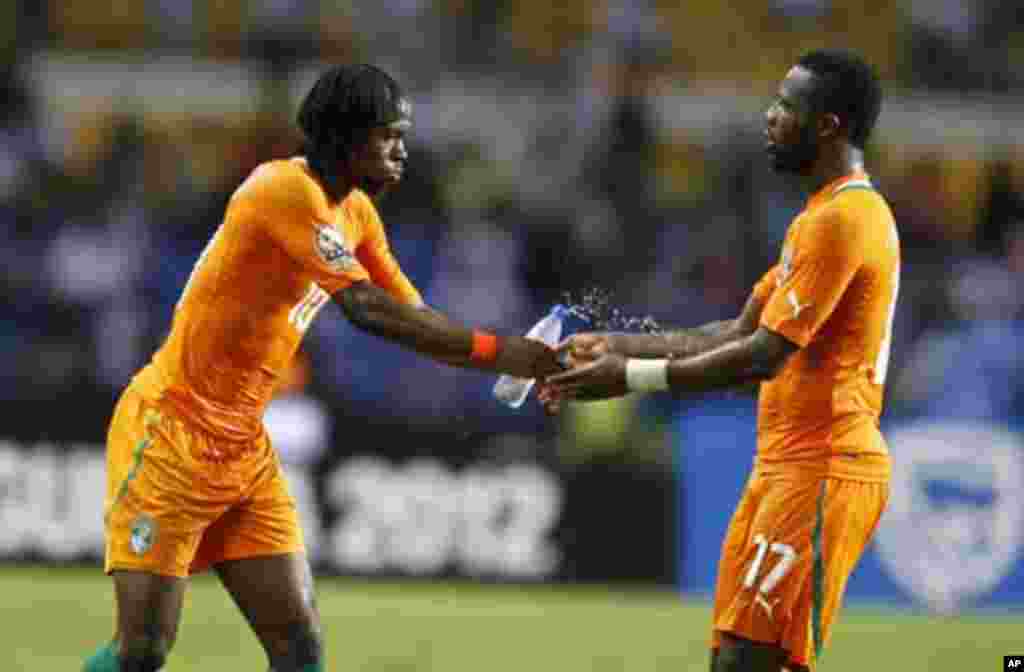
x,y
339,190
336,185
831,166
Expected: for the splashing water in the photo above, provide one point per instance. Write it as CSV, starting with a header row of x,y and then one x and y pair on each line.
x,y
595,308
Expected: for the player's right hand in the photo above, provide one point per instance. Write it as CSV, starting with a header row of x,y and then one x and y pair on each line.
x,y
527,358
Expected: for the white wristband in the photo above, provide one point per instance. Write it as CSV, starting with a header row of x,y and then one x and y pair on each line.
x,y
646,375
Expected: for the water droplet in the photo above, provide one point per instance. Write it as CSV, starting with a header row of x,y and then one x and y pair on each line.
x,y
595,307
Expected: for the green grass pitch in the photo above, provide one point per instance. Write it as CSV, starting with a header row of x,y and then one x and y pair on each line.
x,y
53,618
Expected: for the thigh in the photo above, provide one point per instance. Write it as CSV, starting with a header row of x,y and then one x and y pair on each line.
x,y
154,515
265,522
769,559
847,514
733,553
275,594
148,610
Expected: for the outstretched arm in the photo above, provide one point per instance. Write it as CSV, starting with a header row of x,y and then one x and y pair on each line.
x,y
584,348
430,333
753,358
675,344
678,343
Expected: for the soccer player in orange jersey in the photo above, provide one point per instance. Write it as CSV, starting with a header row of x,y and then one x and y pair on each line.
x,y
815,334
192,481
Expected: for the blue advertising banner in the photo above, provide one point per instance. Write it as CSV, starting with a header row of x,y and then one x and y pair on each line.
x,y
952,537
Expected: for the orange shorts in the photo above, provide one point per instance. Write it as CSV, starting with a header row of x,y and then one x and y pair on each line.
x,y
789,550
173,507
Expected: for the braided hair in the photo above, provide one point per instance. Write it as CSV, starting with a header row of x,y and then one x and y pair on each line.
x,y
337,113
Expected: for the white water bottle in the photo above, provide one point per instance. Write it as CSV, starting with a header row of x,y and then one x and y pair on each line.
x,y
513,391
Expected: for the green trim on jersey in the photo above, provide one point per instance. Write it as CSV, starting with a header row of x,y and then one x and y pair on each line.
x,y
818,572
151,418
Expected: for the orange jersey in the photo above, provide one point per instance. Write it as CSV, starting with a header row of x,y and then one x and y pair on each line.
x,y
281,251
833,293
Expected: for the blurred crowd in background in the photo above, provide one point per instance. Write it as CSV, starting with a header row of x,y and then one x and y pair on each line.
x,y
557,148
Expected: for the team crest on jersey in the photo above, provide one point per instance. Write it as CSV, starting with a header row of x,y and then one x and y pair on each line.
x,y
143,534
330,246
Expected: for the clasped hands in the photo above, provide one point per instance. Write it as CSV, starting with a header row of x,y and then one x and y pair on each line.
x,y
595,371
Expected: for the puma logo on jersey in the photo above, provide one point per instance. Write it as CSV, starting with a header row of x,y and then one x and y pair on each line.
x,y
794,301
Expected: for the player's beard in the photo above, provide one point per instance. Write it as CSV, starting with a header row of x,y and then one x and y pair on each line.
x,y
372,175
799,156
374,187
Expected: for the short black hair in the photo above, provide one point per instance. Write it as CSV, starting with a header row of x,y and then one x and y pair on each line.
x,y
848,87
345,102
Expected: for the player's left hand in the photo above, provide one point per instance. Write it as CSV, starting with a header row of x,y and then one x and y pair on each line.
x,y
603,378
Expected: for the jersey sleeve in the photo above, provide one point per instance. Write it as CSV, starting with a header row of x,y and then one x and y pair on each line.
x,y
285,207
817,267
374,253
765,287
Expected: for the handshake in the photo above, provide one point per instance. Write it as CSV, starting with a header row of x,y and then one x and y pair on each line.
x,y
593,370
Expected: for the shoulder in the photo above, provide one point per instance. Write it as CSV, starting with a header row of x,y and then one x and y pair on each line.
x,y
359,201
860,204
361,206
852,213
281,184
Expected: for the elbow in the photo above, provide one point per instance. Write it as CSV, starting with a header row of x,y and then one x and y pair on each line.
x,y
359,305
758,372
763,371
768,355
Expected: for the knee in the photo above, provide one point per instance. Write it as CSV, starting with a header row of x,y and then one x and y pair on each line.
x,y
728,660
742,655
144,654
731,659
297,647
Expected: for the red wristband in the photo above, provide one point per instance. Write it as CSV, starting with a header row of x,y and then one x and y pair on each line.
x,y
485,347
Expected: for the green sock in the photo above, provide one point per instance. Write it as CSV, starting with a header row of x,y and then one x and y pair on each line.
x,y
104,660
313,667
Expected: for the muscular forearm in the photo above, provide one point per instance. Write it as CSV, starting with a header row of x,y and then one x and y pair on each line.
x,y
416,327
430,333
441,321
677,343
726,366
748,360
718,355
